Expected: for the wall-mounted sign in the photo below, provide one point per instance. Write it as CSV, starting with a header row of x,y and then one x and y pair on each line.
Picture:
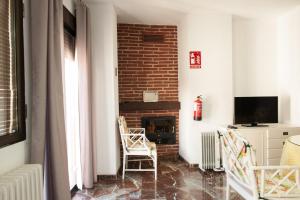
x,y
150,96
195,59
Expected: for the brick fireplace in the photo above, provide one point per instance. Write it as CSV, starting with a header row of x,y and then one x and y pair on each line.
x,y
148,60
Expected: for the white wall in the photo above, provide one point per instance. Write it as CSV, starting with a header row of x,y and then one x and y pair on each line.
x,y
17,154
254,57
211,33
289,67
105,86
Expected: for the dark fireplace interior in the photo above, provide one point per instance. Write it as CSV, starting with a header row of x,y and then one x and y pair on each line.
x,y
161,130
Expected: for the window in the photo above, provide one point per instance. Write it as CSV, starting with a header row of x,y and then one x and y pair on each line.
x,y
71,100
71,108
12,101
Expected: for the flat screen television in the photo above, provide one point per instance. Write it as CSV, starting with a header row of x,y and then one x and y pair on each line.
x,y
255,110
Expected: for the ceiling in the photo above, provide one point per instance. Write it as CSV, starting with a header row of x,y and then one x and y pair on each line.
x,y
171,11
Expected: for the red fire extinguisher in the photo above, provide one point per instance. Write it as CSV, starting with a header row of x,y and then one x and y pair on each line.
x,y
198,109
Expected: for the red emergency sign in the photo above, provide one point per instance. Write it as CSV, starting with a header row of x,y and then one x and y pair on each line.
x,y
195,59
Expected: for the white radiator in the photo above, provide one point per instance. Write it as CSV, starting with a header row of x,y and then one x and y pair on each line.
x,y
210,155
24,183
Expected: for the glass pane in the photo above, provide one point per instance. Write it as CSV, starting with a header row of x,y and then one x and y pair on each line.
x,y
72,110
8,81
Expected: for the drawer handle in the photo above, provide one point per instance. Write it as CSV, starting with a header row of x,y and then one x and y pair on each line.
x,y
283,143
285,133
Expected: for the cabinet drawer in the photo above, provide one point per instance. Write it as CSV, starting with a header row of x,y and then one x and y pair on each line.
x,y
273,153
294,131
280,133
275,143
274,161
283,132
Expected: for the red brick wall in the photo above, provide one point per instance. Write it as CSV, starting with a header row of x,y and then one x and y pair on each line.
x,y
148,66
145,65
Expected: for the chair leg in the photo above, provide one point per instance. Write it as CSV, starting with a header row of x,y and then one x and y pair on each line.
x,y
228,191
124,163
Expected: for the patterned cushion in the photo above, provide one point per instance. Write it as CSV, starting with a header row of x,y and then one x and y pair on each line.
x,y
271,181
123,124
240,156
151,147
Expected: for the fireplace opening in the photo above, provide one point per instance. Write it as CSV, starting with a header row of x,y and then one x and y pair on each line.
x,y
161,130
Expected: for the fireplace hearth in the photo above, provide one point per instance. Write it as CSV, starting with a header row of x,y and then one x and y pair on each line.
x,y
161,130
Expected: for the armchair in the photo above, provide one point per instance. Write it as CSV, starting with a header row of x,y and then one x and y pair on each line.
x,y
135,143
251,181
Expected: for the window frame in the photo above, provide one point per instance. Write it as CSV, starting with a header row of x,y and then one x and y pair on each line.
x,y
20,135
69,22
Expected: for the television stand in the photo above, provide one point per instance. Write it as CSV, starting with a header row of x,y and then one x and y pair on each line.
x,y
255,125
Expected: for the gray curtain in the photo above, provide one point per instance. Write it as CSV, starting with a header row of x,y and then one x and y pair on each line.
x,y
48,143
85,112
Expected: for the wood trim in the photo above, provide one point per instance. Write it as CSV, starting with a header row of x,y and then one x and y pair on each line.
x,y
107,177
69,21
20,135
161,105
110,177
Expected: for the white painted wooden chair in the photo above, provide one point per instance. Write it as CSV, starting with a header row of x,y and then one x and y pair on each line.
x,y
255,182
136,144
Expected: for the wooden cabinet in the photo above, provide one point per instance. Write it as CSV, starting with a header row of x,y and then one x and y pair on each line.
x,y
268,141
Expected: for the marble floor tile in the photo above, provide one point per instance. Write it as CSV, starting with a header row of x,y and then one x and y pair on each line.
x,y
175,181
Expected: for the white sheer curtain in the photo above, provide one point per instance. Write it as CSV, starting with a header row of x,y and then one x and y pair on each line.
x,y
72,111
78,111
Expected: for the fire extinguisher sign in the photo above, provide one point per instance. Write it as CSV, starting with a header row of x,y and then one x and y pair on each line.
x,y
195,59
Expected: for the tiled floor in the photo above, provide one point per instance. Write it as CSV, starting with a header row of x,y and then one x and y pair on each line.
x,y
175,181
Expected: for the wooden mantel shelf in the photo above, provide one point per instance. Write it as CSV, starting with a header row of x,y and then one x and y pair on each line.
x,y
161,105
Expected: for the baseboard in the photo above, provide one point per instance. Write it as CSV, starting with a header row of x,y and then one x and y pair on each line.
x,y
171,157
107,177
110,177
190,165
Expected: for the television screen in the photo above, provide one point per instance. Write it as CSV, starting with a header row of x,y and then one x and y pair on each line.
x,y
249,110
